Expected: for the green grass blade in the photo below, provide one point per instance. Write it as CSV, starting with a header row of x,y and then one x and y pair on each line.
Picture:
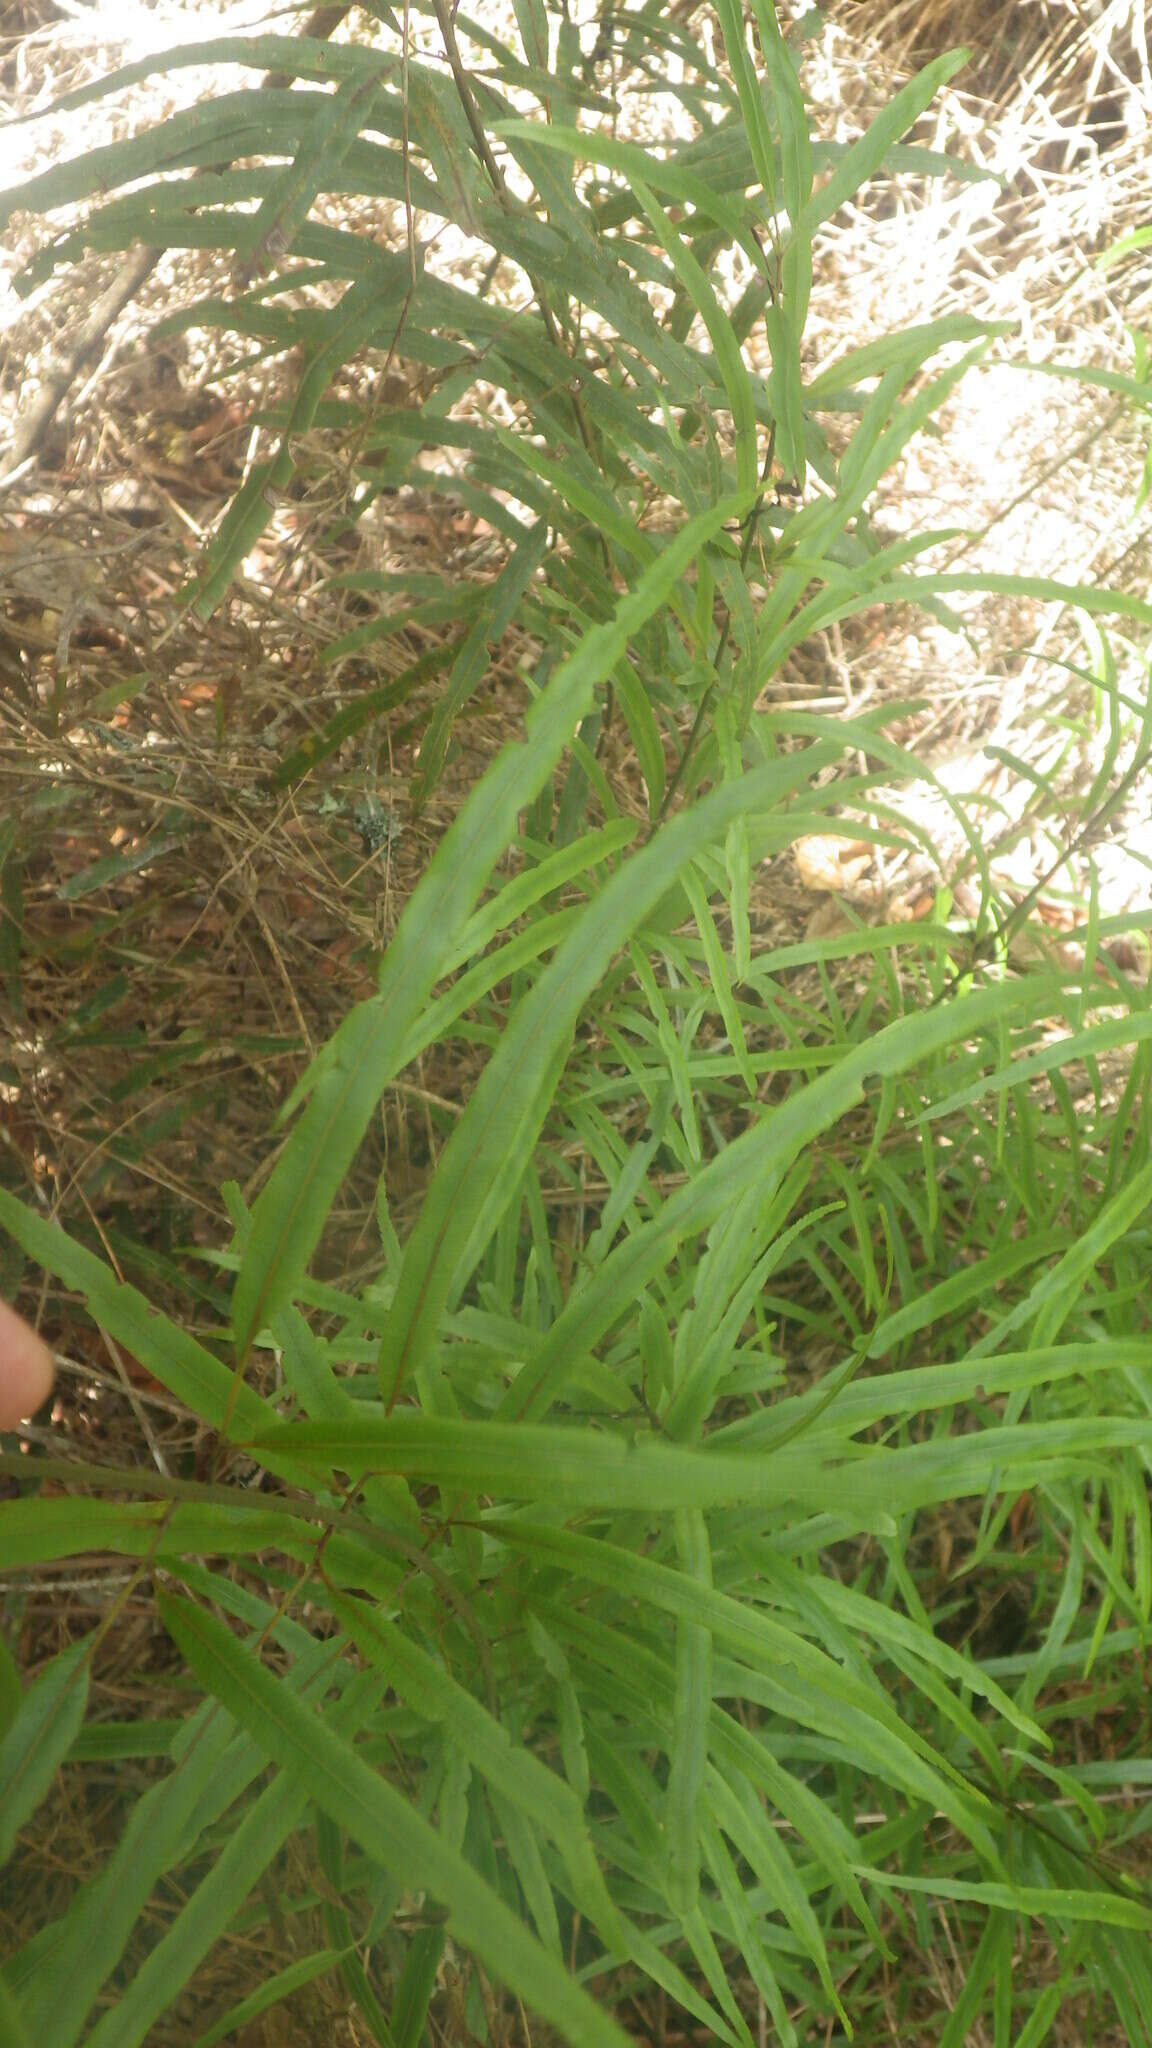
x,y
737,382
1056,1293
250,1847
58,1985
13,2031
460,1210
1106,1908
362,1058
543,878
770,1147
286,207
785,319
282,1984
40,1736
755,120
633,163
1118,603
376,1816
578,1468
471,663
290,56
693,1707
186,1367
41,1531
865,1402
824,1694
352,718
743,1923
863,158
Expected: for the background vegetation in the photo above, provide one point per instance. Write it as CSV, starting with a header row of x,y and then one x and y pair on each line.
x,y
577,976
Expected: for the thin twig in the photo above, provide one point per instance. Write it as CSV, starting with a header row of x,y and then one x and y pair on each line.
x,y
484,152
750,524
1004,929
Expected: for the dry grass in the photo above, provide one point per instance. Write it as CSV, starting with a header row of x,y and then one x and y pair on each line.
x,y
1043,474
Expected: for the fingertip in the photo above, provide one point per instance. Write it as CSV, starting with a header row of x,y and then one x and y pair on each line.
x,y
26,1369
